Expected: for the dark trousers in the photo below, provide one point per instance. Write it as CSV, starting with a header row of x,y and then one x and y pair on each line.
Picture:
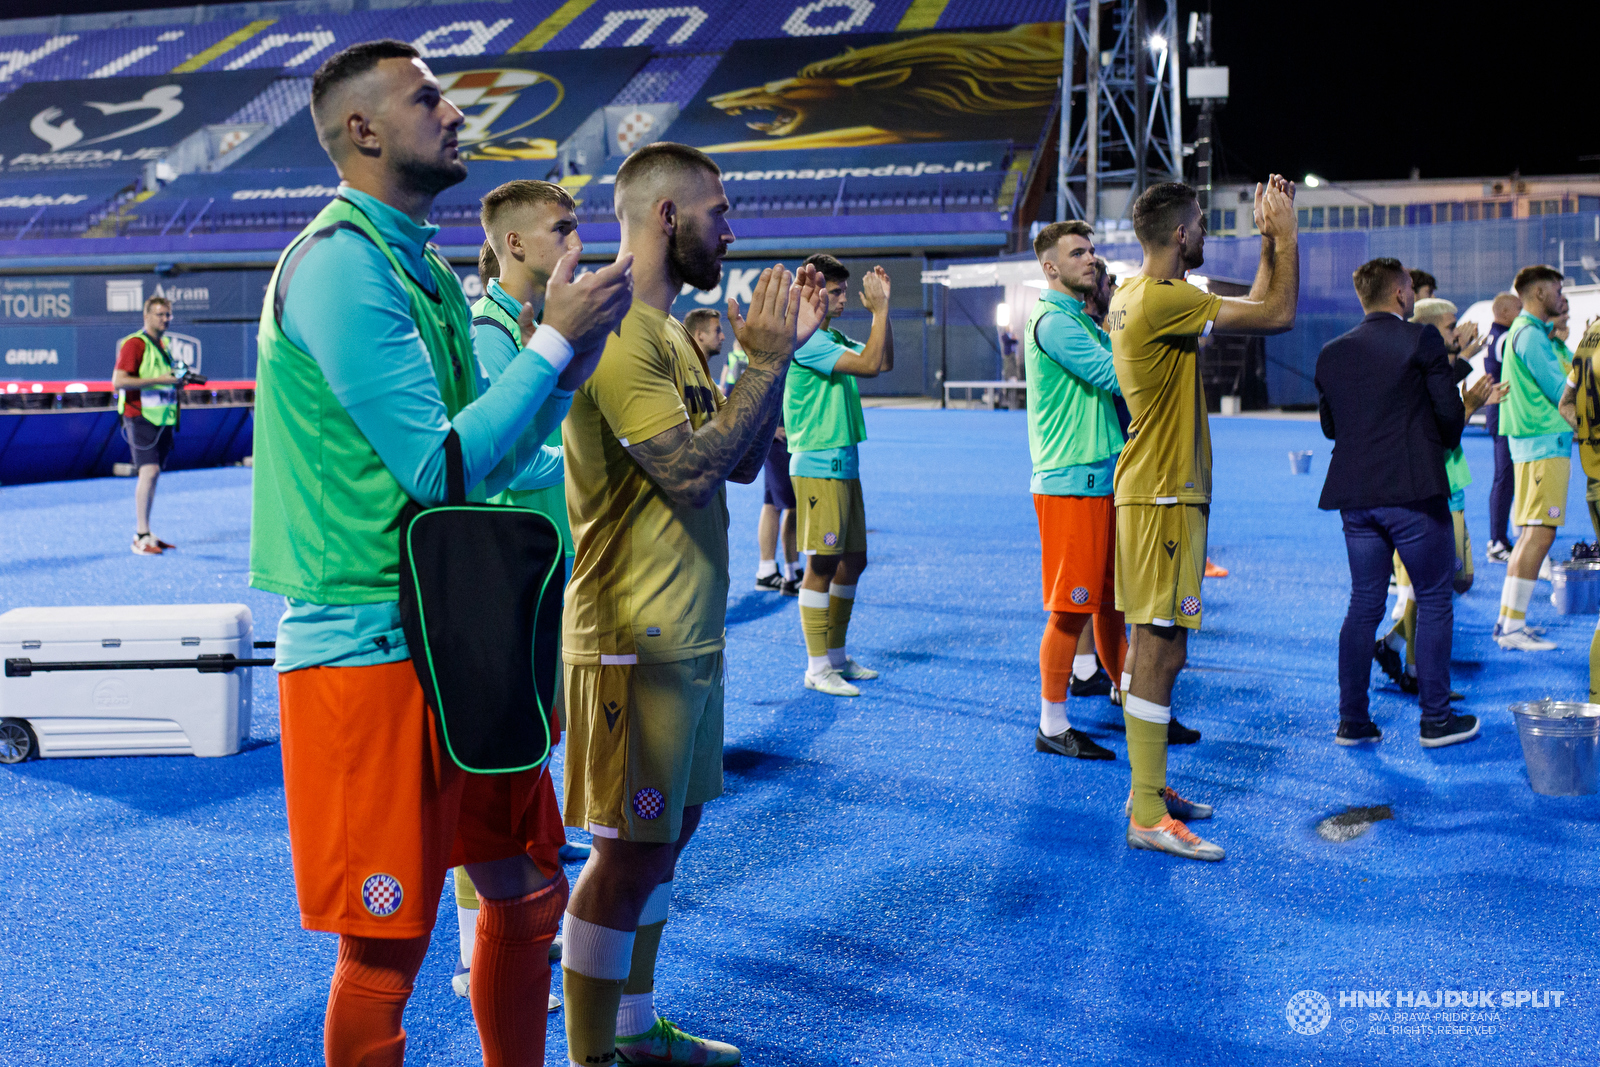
x,y
1501,491
1421,532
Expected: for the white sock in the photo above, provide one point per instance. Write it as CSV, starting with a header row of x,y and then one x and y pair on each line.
x,y
837,658
467,919
791,569
1084,666
1053,717
767,569
1401,599
818,664
636,1014
1127,680
1144,709
1395,639
596,951
1411,669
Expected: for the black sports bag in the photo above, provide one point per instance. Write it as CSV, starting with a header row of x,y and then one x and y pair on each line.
x,y
480,601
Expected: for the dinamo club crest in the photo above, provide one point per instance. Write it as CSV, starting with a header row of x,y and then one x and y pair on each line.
x,y
501,104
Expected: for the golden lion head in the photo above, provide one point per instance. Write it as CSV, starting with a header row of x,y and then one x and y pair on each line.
x,y
939,86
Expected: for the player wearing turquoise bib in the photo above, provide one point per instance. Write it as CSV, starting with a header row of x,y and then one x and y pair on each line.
x,y
822,415
366,371
1073,440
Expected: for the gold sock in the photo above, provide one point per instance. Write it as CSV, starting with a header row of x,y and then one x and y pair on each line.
x,y
1594,668
642,972
1408,630
1147,756
814,622
591,1017
839,619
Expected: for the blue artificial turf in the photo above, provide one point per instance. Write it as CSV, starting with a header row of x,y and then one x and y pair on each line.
x,y
900,878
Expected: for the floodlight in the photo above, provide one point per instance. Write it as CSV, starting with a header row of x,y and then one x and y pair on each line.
x,y
1158,43
1312,181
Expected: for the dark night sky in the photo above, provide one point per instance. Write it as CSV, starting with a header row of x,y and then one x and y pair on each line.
x,y
1364,89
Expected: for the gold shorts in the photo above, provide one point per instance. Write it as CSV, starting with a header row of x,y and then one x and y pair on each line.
x,y
1541,492
833,517
644,742
1161,558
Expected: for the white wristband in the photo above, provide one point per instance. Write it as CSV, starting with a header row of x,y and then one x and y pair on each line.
x,y
548,343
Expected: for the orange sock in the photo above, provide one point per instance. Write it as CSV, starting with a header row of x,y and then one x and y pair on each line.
x,y
371,984
1111,641
1056,649
511,974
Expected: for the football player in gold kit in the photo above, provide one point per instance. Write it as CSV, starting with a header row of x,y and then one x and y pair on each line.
x,y
1163,480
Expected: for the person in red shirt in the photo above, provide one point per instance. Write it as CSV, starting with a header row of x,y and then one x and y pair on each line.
x,y
147,400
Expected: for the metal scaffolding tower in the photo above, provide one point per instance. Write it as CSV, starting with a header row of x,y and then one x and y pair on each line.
x,y
1120,119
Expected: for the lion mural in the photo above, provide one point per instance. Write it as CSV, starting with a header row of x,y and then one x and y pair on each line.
x,y
936,87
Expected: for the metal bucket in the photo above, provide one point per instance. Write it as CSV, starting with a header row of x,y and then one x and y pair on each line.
x,y
1300,462
1561,746
1575,587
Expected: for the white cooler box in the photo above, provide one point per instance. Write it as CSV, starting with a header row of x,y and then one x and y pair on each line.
x,y
126,712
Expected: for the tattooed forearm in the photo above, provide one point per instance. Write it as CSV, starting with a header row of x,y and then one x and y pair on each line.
x,y
690,465
744,472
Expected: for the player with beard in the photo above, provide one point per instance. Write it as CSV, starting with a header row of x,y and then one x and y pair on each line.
x,y
1163,480
1073,439
367,372
649,444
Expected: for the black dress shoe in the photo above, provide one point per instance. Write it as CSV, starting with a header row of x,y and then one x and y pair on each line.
x,y
1389,660
1179,734
1097,684
1073,743
1408,684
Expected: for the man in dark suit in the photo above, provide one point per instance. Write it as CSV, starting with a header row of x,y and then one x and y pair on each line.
x,y
1389,402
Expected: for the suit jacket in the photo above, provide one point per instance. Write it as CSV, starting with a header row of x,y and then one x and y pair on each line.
x,y
1390,404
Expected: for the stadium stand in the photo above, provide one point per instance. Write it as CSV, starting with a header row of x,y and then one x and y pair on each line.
x,y
238,172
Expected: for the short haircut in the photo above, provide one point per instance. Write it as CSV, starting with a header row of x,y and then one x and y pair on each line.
x,y
488,262
1158,211
1376,278
1504,301
1434,309
829,267
1528,277
656,161
158,301
353,62
1052,234
1420,278
701,319
524,192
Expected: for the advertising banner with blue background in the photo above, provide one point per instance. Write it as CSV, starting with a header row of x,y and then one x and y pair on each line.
x,y
115,124
865,90
518,108
54,196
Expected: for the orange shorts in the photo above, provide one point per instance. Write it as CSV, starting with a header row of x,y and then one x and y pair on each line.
x,y
378,812
1078,541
